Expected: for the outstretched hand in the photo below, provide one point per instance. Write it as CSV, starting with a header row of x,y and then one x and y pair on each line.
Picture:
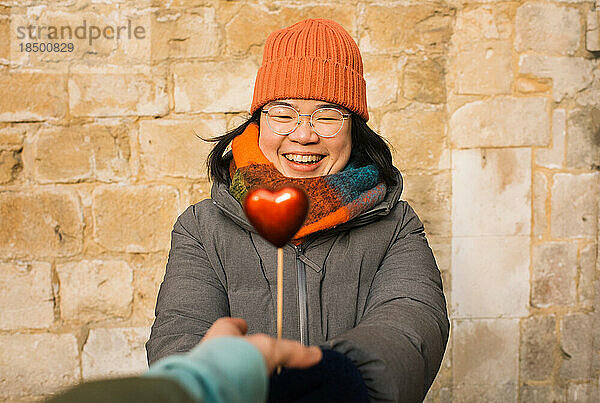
x,y
287,353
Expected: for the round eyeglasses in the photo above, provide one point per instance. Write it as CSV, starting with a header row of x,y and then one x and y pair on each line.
x,y
326,122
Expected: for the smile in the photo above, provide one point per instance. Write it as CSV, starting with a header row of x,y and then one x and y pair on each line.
x,y
304,159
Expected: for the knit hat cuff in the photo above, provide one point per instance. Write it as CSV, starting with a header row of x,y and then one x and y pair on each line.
x,y
310,78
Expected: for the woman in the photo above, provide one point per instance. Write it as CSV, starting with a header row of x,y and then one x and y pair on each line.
x,y
359,277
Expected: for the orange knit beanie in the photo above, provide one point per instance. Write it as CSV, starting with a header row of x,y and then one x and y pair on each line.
x,y
312,59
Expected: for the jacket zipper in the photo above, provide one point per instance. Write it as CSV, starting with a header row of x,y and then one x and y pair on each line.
x,y
302,300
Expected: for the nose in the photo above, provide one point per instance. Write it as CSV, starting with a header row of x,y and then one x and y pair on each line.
x,y
304,133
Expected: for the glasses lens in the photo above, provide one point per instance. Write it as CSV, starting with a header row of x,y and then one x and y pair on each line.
x,y
282,119
327,121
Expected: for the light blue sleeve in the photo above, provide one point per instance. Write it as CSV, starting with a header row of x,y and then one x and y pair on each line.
x,y
220,370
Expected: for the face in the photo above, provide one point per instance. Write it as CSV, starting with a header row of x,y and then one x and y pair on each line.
x,y
323,156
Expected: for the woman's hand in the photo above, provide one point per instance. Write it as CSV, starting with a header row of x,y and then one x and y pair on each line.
x,y
284,352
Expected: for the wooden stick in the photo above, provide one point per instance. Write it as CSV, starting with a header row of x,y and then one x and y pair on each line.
x,y
279,296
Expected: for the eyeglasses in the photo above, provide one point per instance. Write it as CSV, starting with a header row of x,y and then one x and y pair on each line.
x,y
326,122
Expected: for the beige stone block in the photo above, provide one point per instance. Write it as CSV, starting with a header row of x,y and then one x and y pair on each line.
x,y
5,32
569,74
392,29
547,28
214,86
485,354
554,156
583,141
538,347
11,137
542,393
37,364
491,190
135,218
576,344
382,75
483,22
583,392
590,96
243,38
26,298
587,274
540,194
10,165
149,271
185,34
78,153
592,34
200,191
417,134
484,68
117,352
93,93
533,85
502,122
554,274
95,289
424,81
490,276
40,96
430,196
574,212
40,224
173,148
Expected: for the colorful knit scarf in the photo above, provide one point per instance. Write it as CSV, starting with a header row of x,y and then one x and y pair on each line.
x,y
334,199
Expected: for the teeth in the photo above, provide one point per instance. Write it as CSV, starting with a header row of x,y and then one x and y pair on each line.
x,y
303,158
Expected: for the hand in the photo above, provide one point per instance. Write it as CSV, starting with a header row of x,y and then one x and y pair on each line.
x,y
284,352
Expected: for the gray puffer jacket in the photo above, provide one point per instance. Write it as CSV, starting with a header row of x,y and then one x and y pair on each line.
x,y
369,288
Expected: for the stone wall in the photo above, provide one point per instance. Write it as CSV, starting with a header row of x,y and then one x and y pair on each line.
x,y
493,109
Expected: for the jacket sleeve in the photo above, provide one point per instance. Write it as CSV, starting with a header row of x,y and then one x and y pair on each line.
x,y
191,296
400,340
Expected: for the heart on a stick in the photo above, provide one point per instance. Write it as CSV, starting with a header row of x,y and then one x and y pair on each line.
x,y
277,216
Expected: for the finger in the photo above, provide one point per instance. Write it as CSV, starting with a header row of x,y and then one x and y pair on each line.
x,y
294,355
226,326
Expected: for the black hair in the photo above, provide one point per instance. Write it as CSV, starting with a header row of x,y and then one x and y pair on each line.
x,y
368,147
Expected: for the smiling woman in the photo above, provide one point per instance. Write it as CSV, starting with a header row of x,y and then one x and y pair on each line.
x,y
364,286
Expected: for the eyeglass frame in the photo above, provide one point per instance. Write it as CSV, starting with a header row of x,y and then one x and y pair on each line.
x,y
310,121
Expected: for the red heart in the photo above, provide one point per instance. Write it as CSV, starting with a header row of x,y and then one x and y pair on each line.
x,y
277,216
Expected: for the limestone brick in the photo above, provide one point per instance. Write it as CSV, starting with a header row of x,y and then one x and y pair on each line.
x,y
212,87
41,96
583,142
491,192
569,74
576,344
430,196
382,75
194,33
574,212
4,32
540,193
554,274
410,28
110,353
11,137
95,290
592,34
533,85
538,345
39,224
424,81
76,153
547,28
553,157
489,21
92,93
149,271
26,298
542,393
134,218
200,191
587,266
418,137
37,364
490,276
590,96
484,68
583,393
173,148
501,122
10,164
485,355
